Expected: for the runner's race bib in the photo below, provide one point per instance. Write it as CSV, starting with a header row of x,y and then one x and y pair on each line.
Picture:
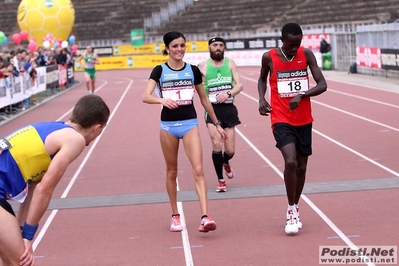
x,y
215,91
290,83
181,91
4,145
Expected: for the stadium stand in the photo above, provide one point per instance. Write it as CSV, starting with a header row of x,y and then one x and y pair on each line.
x,y
208,16
104,19
338,11
257,15
94,19
8,17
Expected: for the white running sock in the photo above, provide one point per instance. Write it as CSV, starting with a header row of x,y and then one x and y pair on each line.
x,y
291,208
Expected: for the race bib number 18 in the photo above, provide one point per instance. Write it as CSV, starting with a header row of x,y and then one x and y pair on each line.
x,y
289,84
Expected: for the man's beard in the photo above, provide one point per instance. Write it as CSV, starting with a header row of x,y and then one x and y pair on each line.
x,y
217,56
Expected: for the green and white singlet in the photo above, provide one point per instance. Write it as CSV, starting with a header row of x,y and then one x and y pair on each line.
x,y
90,67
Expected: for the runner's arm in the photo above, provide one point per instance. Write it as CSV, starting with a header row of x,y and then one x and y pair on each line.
x,y
238,86
264,106
24,207
321,84
96,59
71,145
209,108
149,97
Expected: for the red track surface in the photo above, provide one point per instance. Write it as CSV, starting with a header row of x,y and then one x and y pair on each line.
x,y
127,159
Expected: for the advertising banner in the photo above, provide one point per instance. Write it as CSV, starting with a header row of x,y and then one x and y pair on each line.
x,y
137,37
390,59
368,57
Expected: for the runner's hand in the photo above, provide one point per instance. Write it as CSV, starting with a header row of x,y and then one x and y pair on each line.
x,y
27,258
264,107
169,103
222,133
294,103
221,98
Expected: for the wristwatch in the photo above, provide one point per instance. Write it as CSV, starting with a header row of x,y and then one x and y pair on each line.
x,y
229,93
302,93
218,123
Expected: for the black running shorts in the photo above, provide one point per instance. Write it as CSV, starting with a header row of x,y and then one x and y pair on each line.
x,y
300,135
227,114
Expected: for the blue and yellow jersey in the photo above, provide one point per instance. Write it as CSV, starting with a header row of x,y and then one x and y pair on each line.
x,y
24,158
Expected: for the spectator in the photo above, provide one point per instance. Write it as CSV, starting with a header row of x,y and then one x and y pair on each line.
x,y
27,62
12,68
5,69
325,47
2,69
6,58
46,55
29,66
39,58
68,55
60,57
51,60
11,55
17,58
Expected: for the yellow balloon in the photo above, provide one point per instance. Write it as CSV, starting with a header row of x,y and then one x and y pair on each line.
x,y
42,17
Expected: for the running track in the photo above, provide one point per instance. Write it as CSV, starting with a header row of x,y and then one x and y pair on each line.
x,y
111,207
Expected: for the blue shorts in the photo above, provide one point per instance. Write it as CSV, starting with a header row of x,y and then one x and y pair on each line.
x,y
179,128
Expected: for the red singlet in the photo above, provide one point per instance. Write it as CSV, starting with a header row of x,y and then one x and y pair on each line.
x,y
286,79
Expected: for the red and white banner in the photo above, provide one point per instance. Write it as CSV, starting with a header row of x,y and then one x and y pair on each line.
x,y
368,57
312,41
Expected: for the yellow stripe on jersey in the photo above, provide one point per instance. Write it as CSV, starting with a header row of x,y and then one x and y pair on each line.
x,y
29,153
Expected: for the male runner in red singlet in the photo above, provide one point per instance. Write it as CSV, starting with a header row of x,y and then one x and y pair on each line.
x,y
290,110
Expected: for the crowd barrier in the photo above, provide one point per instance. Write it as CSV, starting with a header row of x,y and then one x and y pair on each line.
x,y
17,89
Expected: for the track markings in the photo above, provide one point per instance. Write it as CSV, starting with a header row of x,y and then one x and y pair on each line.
x,y
303,196
349,236
93,145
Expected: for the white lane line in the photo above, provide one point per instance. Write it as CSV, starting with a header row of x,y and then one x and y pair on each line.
x,y
304,197
365,86
355,115
184,234
352,95
54,212
364,98
338,109
357,153
70,110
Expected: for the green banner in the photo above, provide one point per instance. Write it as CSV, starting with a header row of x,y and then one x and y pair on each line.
x,y
137,37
